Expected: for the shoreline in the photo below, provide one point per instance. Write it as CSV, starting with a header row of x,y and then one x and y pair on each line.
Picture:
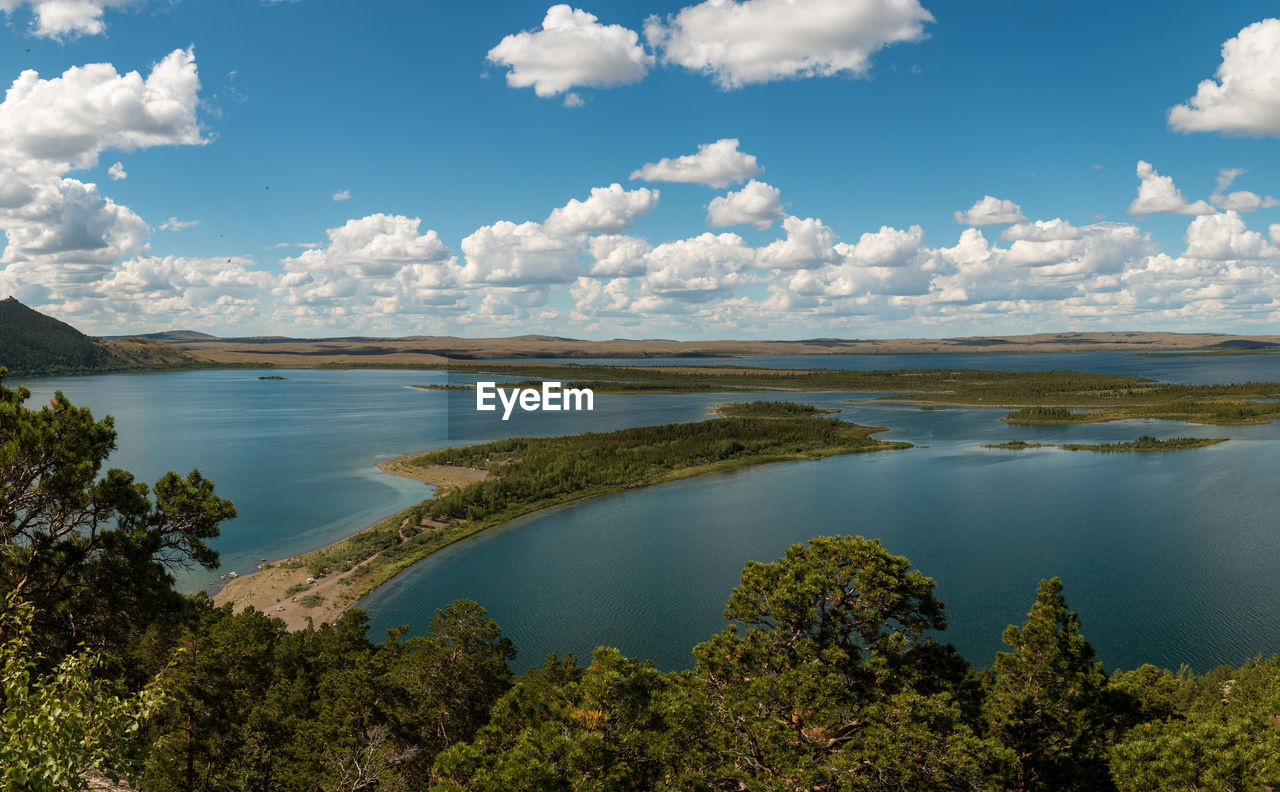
x,y
271,589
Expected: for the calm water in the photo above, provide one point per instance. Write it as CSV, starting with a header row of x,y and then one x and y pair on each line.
x,y
1169,558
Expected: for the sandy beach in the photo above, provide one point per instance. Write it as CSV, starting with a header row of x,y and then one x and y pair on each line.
x,y
281,588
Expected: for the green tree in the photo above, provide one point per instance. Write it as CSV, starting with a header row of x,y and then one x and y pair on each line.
x,y
832,683
92,553
615,725
57,727
1221,732
1047,700
448,679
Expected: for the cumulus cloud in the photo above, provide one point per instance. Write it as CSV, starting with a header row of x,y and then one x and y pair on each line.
x,y
756,203
614,256
151,291
593,298
374,266
1157,193
1223,237
756,41
717,164
696,270
64,238
607,210
888,247
507,254
1244,99
59,19
344,195
990,211
572,49
808,244
1240,200
68,234
67,121
1042,231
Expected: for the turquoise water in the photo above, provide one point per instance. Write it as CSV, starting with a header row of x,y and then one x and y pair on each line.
x,y
1169,558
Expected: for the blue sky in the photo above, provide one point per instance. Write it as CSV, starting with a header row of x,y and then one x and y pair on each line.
x,y
850,168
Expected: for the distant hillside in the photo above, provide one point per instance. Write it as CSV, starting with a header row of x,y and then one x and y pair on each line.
x,y
33,344
173,335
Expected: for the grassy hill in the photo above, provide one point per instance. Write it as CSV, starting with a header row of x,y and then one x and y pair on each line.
x,y
32,344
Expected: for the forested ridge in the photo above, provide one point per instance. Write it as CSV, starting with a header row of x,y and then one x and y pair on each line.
x,y
830,674
32,343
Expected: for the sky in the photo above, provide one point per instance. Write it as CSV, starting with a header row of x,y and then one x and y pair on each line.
x,y
724,169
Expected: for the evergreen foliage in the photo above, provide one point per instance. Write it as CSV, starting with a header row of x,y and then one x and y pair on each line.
x,y
31,342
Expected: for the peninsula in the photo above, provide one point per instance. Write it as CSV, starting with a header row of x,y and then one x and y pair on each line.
x,y
482,486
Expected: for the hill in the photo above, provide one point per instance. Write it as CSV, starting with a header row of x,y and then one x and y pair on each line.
x,y
32,343
409,351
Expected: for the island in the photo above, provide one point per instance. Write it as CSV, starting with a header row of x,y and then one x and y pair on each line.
x,y
1142,444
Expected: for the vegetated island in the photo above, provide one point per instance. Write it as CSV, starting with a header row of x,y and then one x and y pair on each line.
x,y
1147,443
1018,445
1144,443
769,409
485,485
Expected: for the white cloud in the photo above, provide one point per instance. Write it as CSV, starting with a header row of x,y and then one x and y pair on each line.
x,y
1042,231
174,224
1223,237
344,195
888,247
756,203
61,18
69,234
374,267
1157,193
697,270
175,291
756,41
716,164
991,211
64,238
67,121
618,256
593,298
1241,200
572,99
506,254
809,244
378,246
1245,97
571,50
607,210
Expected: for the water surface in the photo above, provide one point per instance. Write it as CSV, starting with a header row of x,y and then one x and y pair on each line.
x,y
1169,558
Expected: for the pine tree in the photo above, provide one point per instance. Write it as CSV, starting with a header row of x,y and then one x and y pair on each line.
x,y
1047,699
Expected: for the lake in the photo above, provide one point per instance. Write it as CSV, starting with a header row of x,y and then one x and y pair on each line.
x,y
1168,558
